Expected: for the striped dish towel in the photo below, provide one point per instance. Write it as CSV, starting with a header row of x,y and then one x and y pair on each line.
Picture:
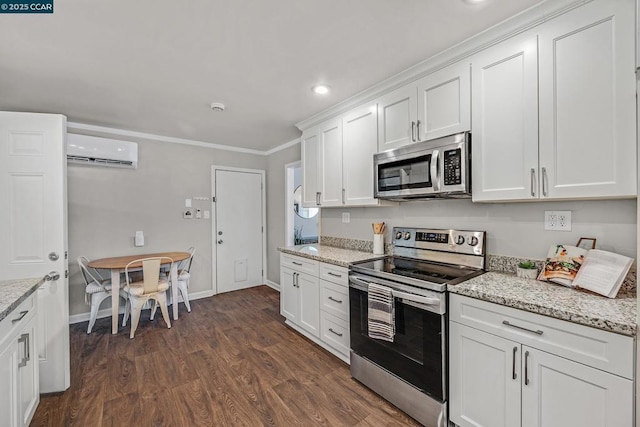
x,y
382,325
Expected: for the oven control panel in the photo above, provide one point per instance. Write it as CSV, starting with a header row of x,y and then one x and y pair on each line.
x,y
446,240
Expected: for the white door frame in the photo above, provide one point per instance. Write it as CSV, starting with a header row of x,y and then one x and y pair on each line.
x,y
214,248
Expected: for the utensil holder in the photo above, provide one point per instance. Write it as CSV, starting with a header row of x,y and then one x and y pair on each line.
x,y
378,244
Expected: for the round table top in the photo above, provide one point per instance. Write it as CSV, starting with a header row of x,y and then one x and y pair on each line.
x,y
122,261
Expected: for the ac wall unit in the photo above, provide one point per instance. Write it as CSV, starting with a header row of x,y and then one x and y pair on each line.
x,y
95,151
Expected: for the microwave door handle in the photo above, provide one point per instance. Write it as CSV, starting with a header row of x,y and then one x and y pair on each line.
x,y
416,298
435,170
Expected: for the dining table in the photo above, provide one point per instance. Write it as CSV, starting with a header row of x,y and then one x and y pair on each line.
x,y
117,265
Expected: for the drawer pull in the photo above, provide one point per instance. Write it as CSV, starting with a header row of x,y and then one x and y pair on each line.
x,y
339,301
506,322
337,333
297,263
334,274
22,314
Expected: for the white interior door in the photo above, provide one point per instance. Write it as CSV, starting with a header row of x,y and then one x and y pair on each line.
x,y
238,229
33,224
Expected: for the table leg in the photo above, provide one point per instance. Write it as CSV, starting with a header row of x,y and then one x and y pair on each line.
x,y
174,289
115,299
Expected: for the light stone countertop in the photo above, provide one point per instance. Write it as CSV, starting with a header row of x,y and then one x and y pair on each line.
x,y
13,292
577,306
329,254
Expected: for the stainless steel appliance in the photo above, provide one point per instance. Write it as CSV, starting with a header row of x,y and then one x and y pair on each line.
x,y
411,371
440,168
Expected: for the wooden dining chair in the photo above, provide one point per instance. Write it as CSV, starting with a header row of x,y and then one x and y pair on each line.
x,y
96,289
153,286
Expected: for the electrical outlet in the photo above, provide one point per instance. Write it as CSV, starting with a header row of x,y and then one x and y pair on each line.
x,y
346,217
557,220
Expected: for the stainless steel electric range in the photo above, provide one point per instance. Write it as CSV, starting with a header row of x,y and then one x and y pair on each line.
x,y
411,371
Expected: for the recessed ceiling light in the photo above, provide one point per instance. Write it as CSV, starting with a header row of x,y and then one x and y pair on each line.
x,y
320,89
217,107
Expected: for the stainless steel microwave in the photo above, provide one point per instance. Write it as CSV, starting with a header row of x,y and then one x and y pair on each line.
x,y
440,168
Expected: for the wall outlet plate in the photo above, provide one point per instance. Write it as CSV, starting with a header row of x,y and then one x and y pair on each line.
x,y
346,217
557,220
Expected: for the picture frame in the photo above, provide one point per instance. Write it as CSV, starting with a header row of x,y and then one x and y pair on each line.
x,y
586,243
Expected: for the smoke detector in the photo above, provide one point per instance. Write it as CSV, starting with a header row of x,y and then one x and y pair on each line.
x,y
217,107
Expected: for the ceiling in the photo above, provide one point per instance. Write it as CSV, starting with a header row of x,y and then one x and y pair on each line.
x,y
155,66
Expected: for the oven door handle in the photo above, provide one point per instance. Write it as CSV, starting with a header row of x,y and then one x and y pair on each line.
x,y
416,298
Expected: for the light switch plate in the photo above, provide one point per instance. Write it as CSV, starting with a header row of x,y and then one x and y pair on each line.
x,y
207,214
187,203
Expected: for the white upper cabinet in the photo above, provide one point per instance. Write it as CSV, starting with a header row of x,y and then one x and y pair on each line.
x,y
359,144
330,138
397,116
434,106
444,102
587,102
310,152
505,121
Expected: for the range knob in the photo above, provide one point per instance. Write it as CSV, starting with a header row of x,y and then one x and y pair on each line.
x,y
472,240
459,240
407,235
398,235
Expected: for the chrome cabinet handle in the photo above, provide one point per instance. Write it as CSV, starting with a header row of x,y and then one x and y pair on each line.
x,y
418,129
526,368
334,274
339,301
52,276
296,263
337,333
434,169
506,322
318,198
343,202
544,185
533,182
24,340
295,280
22,314
514,375
413,131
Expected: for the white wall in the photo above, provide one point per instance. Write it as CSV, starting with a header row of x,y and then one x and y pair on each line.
x,y
106,207
515,229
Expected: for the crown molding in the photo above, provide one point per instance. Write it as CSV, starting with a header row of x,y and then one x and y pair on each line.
x,y
282,147
508,28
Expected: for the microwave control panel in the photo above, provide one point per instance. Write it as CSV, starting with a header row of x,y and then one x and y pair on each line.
x,y
453,167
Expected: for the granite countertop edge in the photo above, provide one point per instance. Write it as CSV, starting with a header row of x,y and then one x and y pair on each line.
x,y
329,254
14,292
557,310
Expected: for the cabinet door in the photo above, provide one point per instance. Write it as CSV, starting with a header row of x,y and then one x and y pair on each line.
x,y
397,116
9,385
484,378
310,153
309,303
557,392
444,102
28,378
359,144
288,294
587,102
505,121
330,138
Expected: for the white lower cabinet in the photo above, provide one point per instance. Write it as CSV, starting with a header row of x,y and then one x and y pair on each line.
x,y
19,378
500,376
314,298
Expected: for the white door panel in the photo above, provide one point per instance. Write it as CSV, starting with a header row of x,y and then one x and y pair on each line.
x,y
33,182
238,229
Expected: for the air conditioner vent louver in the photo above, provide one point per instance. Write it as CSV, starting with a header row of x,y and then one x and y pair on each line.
x,y
94,151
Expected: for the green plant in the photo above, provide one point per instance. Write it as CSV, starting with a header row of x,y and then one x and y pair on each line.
x,y
297,236
528,265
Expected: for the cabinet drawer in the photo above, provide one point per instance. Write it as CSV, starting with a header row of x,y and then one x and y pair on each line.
x,y
303,265
335,274
8,326
334,299
594,347
335,332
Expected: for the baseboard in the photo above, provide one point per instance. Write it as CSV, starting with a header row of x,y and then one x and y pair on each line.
x,y
273,285
106,312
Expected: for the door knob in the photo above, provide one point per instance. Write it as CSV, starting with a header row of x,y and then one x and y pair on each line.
x,y
220,241
53,256
53,276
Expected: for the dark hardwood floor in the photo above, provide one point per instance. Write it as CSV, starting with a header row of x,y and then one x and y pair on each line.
x,y
231,361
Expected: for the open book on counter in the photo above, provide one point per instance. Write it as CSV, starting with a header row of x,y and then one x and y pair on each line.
x,y
595,270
